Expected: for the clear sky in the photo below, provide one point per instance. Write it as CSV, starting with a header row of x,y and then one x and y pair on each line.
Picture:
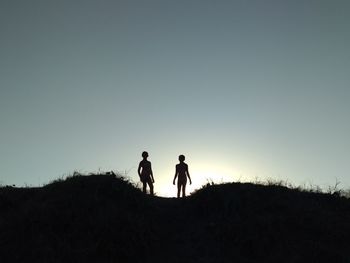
x,y
243,89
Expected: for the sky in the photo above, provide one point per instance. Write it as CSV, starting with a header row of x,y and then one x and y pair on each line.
x,y
245,89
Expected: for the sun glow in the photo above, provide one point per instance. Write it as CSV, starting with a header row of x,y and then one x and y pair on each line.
x,y
204,167
201,174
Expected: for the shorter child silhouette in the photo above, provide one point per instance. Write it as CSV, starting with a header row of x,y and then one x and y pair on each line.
x,y
145,173
182,173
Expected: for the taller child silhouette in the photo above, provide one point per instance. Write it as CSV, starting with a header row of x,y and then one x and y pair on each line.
x,y
182,173
145,173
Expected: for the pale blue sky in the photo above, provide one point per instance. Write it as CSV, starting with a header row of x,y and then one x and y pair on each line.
x,y
244,89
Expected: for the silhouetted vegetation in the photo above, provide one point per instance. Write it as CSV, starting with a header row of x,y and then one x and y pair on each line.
x,y
104,218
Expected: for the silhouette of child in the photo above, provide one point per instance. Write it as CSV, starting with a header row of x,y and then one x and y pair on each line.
x,y
182,174
145,173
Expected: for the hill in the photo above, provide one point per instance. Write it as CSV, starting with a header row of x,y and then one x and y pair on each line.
x,y
103,218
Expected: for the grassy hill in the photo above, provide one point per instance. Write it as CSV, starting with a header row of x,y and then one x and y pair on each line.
x,y
103,218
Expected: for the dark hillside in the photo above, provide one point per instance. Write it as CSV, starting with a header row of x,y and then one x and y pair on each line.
x,y
102,218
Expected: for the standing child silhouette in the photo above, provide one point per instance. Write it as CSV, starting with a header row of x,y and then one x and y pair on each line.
x,y
182,173
145,173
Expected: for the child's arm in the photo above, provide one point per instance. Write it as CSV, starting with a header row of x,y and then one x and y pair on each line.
x,y
139,170
152,174
188,175
175,176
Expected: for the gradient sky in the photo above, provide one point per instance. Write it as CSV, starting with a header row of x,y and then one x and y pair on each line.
x,y
243,89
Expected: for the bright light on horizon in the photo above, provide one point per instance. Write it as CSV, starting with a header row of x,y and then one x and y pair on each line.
x,y
201,174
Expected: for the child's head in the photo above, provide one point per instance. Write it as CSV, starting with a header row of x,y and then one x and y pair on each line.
x,y
182,158
145,154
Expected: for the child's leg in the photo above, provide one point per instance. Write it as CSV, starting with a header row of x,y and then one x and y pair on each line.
x,y
183,190
144,186
150,184
178,190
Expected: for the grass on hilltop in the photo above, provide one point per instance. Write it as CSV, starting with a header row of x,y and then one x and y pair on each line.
x,y
105,218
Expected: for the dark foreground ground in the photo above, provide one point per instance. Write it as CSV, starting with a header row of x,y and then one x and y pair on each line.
x,y
101,218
